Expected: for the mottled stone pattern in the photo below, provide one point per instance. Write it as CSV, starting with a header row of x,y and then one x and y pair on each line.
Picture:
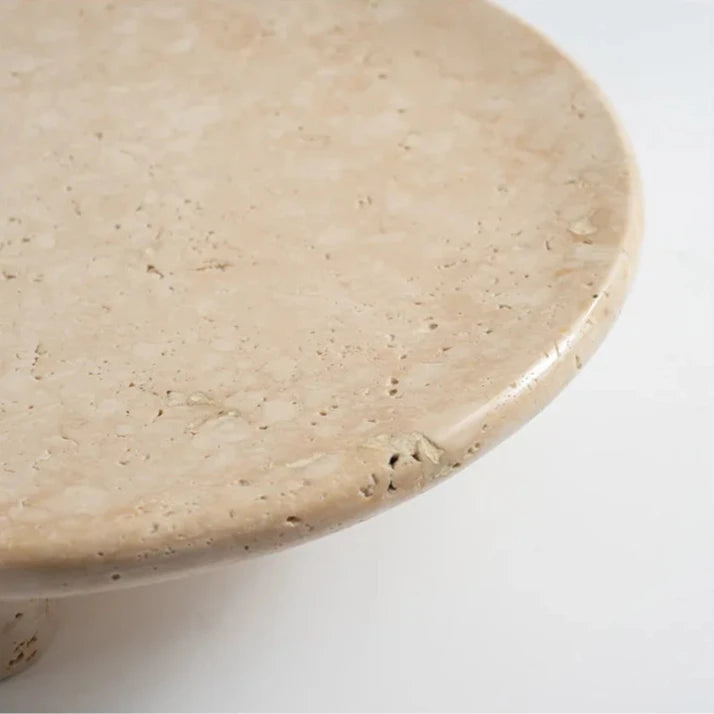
x,y
266,267
26,626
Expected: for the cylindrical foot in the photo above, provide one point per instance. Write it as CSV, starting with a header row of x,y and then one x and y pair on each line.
x,y
26,627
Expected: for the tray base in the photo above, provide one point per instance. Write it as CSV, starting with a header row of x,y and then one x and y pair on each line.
x,y
26,627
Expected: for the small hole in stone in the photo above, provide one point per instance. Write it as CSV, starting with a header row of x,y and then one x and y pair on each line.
x,y
393,460
391,486
116,576
292,520
433,325
368,490
416,456
18,615
393,392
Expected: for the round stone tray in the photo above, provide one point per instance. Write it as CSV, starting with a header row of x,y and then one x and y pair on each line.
x,y
269,267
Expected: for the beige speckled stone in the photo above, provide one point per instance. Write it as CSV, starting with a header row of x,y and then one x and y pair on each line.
x,y
26,626
268,267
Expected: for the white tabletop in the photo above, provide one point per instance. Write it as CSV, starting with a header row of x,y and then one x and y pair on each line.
x,y
571,568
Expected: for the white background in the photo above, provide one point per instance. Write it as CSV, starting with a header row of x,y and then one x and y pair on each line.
x,y
572,568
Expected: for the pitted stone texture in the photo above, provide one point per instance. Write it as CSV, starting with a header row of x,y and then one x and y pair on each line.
x,y
26,626
266,267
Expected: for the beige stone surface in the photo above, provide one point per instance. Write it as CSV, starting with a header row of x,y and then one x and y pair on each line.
x,y
26,627
268,267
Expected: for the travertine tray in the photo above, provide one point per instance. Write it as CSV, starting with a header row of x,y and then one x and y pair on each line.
x,y
269,267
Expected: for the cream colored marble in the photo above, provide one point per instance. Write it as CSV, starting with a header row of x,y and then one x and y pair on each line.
x,y
269,267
